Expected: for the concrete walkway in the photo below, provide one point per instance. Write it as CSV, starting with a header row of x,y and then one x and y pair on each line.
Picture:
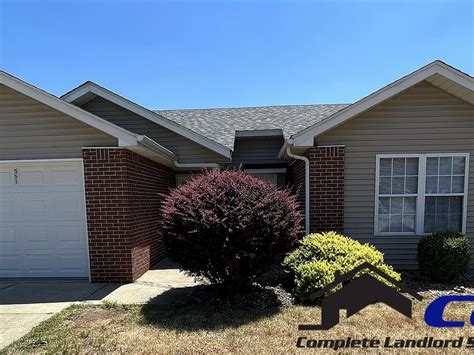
x,y
25,304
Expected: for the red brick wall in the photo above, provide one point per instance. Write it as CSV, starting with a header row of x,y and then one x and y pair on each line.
x,y
326,166
123,196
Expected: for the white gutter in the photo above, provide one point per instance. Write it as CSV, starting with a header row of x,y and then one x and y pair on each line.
x,y
150,143
306,183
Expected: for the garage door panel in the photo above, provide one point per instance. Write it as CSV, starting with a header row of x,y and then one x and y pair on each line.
x,y
67,206
65,177
40,263
32,177
70,237
7,208
34,206
8,237
71,263
11,265
42,220
6,178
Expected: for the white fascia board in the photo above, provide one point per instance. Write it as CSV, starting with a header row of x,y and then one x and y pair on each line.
x,y
124,137
144,112
305,137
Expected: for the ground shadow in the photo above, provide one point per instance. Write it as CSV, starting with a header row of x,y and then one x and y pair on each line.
x,y
192,316
52,291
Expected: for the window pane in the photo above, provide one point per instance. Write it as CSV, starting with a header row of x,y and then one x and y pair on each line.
x,y
430,205
429,224
385,185
408,223
396,206
458,165
412,166
411,184
441,222
395,223
399,166
398,185
442,205
385,167
409,205
458,184
455,204
432,166
444,185
397,214
455,222
384,205
445,165
397,176
431,184
384,223
443,213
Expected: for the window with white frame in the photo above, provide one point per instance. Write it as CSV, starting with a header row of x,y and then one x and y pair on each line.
x,y
421,193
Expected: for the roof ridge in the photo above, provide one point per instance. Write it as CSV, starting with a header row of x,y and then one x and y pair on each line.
x,y
248,107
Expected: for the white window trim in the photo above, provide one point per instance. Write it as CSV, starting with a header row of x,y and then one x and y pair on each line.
x,y
420,200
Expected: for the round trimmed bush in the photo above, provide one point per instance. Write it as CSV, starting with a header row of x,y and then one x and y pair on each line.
x,y
321,256
227,226
444,256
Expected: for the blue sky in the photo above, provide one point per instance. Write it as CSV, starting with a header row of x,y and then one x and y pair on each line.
x,y
194,54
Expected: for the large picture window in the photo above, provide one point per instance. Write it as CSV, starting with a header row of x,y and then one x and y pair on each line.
x,y
420,193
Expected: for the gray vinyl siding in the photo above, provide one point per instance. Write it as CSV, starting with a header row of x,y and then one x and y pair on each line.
x,y
423,119
257,150
187,150
32,130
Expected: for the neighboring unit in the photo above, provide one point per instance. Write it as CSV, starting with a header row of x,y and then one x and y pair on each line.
x,y
83,176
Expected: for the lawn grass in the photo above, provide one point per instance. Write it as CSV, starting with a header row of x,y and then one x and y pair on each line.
x,y
223,329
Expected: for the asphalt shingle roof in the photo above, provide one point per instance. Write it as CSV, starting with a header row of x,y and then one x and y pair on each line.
x,y
220,124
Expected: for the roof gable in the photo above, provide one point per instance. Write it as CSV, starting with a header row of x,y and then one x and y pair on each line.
x,y
437,73
90,89
124,137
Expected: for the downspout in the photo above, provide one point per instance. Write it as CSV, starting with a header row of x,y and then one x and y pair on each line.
x,y
306,184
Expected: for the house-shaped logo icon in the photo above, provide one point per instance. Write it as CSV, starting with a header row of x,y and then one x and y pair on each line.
x,y
358,293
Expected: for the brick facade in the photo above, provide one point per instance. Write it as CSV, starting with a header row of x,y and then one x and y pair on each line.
x,y
326,184
326,198
123,196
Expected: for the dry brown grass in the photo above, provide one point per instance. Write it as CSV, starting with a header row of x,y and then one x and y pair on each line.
x,y
185,329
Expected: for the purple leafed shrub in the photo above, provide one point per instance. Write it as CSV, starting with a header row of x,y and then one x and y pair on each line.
x,y
227,226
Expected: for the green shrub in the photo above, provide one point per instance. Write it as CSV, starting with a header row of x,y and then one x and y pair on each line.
x,y
320,256
444,256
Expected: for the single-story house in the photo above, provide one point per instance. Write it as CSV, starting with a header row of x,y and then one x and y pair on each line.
x,y
82,175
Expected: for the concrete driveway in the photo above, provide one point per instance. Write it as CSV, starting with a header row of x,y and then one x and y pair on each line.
x,y
25,304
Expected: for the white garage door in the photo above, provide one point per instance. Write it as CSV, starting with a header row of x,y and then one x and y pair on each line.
x,y
42,220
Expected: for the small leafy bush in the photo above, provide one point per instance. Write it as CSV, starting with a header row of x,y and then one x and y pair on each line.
x,y
227,226
444,256
321,256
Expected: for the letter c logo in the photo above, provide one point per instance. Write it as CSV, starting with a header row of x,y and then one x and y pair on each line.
x,y
434,311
